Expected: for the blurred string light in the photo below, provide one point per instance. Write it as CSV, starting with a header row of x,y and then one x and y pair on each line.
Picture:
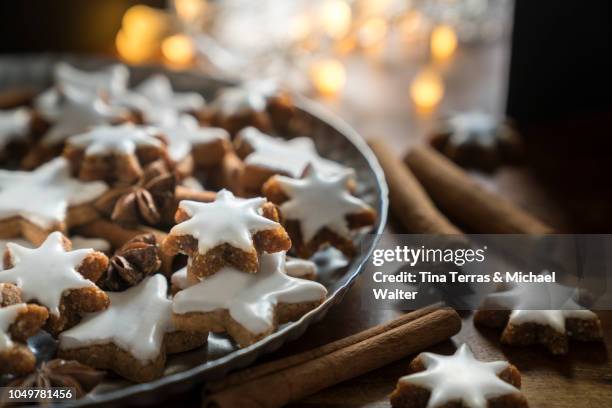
x,y
427,89
190,11
271,38
443,42
178,50
335,18
328,76
142,29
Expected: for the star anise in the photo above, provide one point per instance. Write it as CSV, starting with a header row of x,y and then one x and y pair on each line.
x,y
146,202
134,261
61,373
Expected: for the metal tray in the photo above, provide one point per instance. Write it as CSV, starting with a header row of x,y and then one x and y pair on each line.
x,y
333,138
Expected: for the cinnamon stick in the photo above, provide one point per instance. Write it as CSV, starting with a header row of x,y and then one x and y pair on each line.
x,y
260,370
184,193
297,381
409,201
463,199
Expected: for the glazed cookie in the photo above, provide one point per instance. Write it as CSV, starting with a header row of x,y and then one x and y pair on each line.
x,y
247,306
32,204
186,138
15,129
301,268
229,230
318,210
18,322
458,380
479,140
158,103
132,336
539,313
261,104
68,290
114,153
265,156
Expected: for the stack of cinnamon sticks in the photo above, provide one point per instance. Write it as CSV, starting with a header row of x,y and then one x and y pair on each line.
x,y
279,382
426,184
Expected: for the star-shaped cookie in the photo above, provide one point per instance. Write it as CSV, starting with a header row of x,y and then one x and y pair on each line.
x,y
18,322
246,306
186,136
35,203
229,230
544,313
319,209
458,379
132,336
14,125
114,153
57,278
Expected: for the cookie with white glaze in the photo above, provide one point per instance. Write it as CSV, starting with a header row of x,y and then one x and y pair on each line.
x,y
35,203
57,278
18,321
460,380
265,156
260,104
206,146
539,313
15,132
229,231
114,153
132,336
246,306
319,210
301,268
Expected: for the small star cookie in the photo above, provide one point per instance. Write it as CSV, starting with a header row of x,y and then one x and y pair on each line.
x,y
114,153
461,380
207,145
476,139
247,306
33,204
15,125
318,210
18,321
57,278
229,230
265,156
132,336
539,313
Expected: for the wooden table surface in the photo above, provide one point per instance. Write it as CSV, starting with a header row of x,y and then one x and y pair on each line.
x,y
379,107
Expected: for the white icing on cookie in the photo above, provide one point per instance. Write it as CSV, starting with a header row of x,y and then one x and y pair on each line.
x,y
251,299
468,125
124,139
185,132
14,125
8,314
251,96
179,279
227,220
136,321
319,201
112,80
46,272
460,377
158,90
78,242
43,196
288,157
74,111
300,268
548,304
